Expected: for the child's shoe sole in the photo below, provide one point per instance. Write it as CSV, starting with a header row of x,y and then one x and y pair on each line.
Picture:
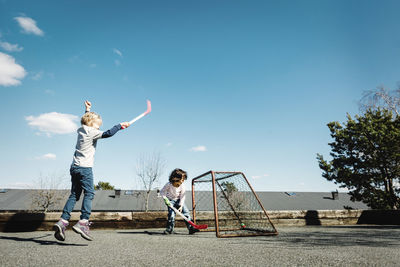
x,y
192,231
79,231
58,233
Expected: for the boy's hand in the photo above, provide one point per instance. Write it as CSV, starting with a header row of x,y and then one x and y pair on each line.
x,y
166,201
88,105
124,125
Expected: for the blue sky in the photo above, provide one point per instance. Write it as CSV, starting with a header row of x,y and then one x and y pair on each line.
x,y
235,85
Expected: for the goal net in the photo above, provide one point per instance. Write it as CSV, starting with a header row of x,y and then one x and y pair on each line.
x,y
236,208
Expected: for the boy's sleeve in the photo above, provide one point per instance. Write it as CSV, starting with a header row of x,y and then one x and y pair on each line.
x,y
96,134
111,132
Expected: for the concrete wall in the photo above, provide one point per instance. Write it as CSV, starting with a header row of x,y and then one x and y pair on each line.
x,y
25,221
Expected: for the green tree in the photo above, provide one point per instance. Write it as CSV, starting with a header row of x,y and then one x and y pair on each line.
x,y
229,187
233,196
103,186
366,158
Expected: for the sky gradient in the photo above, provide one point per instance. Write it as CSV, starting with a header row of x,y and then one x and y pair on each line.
x,y
235,85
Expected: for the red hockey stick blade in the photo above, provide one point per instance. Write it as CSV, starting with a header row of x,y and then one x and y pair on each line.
x,y
200,226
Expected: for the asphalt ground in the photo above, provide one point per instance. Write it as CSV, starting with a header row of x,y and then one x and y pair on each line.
x,y
294,246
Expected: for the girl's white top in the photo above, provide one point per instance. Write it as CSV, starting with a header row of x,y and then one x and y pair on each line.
x,y
174,193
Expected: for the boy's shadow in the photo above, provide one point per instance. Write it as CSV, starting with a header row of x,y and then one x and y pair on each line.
x,y
149,233
41,242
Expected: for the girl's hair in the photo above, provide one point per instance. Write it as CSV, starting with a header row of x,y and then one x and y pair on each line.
x,y
177,175
89,118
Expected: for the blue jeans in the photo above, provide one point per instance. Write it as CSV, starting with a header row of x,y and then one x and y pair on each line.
x,y
81,179
171,215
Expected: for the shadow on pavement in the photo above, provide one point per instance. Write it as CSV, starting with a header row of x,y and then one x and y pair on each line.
x,y
347,236
38,241
149,233
381,227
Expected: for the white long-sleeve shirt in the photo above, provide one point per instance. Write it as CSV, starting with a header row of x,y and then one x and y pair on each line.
x,y
86,144
174,193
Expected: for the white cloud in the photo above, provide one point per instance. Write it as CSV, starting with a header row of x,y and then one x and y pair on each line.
x,y
10,72
11,47
92,65
28,26
259,176
54,123
47,156
117,62
168,144
116,51
198,149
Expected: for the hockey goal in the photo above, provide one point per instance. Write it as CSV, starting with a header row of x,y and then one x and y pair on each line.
x,y
236,208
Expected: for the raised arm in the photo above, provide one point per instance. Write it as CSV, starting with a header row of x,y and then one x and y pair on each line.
x,y
115,129
88,106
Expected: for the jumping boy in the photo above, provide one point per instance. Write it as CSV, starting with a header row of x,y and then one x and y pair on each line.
x,y
174,190
81,173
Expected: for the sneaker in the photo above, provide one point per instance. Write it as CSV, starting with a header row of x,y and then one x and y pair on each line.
x,y
82,228
59,229
166,232
193,230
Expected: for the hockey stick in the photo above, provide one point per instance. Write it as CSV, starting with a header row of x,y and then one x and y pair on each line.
x,y
200,226
143,114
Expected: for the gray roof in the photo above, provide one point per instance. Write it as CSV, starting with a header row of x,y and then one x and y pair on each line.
x,y
307,201
134,200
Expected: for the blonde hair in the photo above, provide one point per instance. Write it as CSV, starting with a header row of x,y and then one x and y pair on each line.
x,y
89,118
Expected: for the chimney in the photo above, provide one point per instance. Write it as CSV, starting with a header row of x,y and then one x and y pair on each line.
x,y
117,192
335,195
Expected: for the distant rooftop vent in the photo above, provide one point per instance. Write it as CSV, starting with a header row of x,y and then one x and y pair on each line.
x,y
335,195
290,194
117,192
129,192
3,190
